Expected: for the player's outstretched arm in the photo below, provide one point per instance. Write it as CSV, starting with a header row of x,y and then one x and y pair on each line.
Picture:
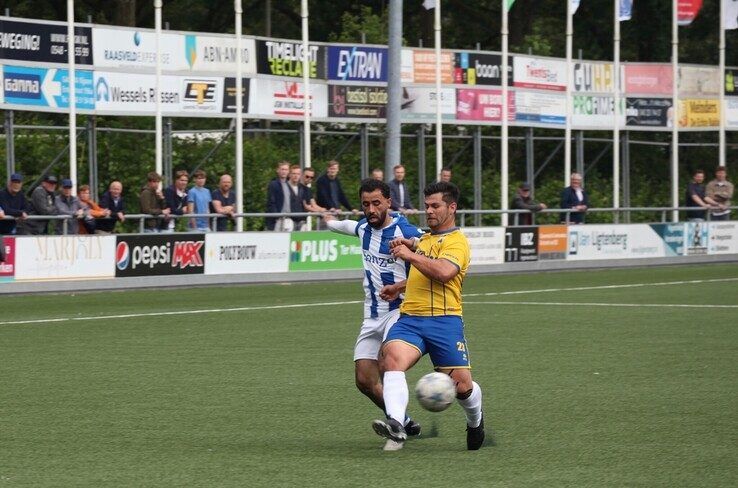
x,y
347,227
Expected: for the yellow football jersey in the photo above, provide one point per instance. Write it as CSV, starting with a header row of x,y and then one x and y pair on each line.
x,y
426,297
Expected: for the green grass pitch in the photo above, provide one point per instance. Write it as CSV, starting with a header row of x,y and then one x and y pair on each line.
x,y
617,393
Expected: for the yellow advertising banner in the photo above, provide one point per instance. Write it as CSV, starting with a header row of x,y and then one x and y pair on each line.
x,y
698,112
424,66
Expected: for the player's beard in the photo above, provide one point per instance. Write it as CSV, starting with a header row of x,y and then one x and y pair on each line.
x,y
382,216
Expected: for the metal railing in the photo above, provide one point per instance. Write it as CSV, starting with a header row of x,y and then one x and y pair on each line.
x,y
662,213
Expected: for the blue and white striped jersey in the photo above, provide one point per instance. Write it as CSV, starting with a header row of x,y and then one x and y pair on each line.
x,y
380,267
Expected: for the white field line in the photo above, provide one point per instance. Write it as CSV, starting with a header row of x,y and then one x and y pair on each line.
x,y
353,302
589,304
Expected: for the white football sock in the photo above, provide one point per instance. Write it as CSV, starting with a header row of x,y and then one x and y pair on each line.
x,y
395,395
472,406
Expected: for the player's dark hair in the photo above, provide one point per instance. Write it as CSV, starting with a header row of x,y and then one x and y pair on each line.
x,y
370,184
449,190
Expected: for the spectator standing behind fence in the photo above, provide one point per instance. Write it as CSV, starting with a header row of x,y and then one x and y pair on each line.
x,y
113,201
718,193
153,203
399,194
42,202
329,190
2,242
175,197
278,197
14,204
224,202
695,197
523,201
575,198
198,201
445,175
308,176
93,211
378,174
69,205
300,197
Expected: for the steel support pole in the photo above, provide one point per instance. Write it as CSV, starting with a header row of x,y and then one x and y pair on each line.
x,y
477,174
625,160
364,148
579,138
393,150
167,147
91,154
9,143
421,170
530,165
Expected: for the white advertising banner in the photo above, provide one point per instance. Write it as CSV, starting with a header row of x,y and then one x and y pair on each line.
x,y
592,77
699,81
723,238
136,94
595,111
64,257
286,98
731,112
540,108
487,244
249,252
420,103
219,54
539,73
130,48
614,242
407,74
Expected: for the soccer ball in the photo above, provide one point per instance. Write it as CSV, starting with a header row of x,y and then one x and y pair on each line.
x,y
435,391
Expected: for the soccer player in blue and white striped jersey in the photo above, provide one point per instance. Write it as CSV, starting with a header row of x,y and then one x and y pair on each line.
x,y
375,231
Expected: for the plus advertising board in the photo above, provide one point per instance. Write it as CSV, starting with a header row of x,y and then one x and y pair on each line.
x,y
648,79
540,108
483,105
284,58
487,245
589,77
648,112
521,244
219,54
46,258
159,254
310,251
481,69
357,63
539,73
352,101
131,48
277,98
419,103
43,43
47,87
591,242
552,242
7,268
247,252
723,238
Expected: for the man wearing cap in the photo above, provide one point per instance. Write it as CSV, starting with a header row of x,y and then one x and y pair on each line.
x,y
13,203
43,202
68,204
523,201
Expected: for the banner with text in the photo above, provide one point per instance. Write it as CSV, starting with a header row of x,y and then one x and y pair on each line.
x,y
487,244
648,112
614,242
248,252
648,79
483,105
699,113
352,101
64,257
219,54
596,111
136,49
698,81
357,63
310,251
540,108
424,66
47,87
159,254
552,242
592,77
723,238
521,244
7,268
43,43
481,69
286,98
284,58
419,103
539,73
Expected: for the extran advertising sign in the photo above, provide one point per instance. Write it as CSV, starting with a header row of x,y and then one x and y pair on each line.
x,y
46,87
357,63
284,58
130,48
219,54
324,250
44,43
539,73
351,101
248,252
483,105
154,255
64,257
481,69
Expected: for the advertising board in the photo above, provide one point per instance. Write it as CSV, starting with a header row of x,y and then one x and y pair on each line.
x,y
219,54
229,94
540,108
595,111
648,112
424,66
481,69
731,112
64,257
284,58
614,242
159,254
247,252
353,101
698,81
47,87
539,73
723,238
699,113
487,244
483,105
589,77
552,242
43,43
696,235
7,268
286,98
673,237
420,103
357,63
136,49
648,79
311,251
521,244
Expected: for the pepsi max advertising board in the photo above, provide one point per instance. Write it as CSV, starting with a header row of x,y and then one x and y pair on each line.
x,y
157,255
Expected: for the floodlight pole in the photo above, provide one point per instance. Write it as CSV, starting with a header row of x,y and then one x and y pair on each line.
x,y
239,115
72,85
157,94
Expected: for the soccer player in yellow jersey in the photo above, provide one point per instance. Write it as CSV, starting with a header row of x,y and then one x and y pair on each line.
x,y
430,320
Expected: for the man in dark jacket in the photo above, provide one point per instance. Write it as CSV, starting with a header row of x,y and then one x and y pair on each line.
x,y
13,202
42,202
330,194
152,202
523,201
68,204
278,196
399,192
113,201
575,198
175,198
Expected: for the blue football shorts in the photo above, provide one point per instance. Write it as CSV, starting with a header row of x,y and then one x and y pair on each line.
x,y
441,337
